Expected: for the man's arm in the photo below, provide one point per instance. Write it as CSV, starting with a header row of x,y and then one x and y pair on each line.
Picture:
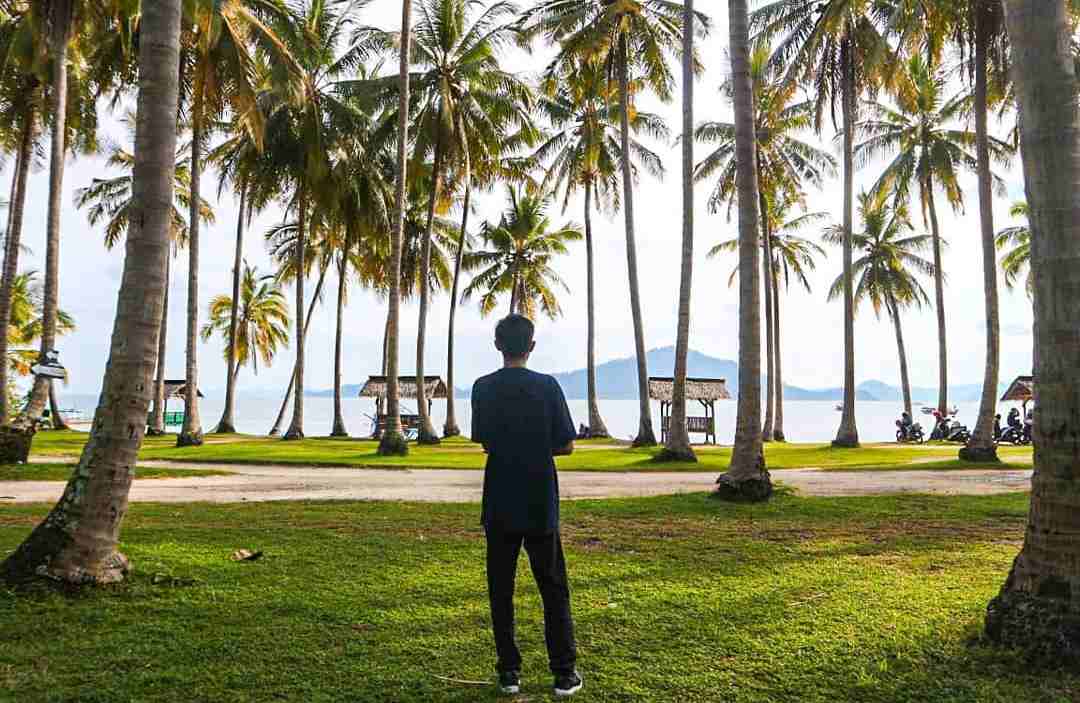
x,y
562,430
565,450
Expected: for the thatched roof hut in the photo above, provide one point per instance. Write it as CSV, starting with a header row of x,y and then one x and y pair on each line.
x,y
706,389
1021,390
376,387
176,388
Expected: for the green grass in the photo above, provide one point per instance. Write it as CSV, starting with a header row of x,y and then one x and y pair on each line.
x,y
592,455
804,600
62,472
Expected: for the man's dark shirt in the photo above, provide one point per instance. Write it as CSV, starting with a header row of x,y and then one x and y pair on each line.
x,y
520,417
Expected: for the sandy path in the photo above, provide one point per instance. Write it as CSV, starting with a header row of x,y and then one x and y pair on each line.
x,y
262,483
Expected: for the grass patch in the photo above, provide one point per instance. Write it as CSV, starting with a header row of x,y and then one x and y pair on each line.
x,y
804,600
62,472
457,453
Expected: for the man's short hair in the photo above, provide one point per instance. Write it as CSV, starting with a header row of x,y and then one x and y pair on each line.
x,y
514,335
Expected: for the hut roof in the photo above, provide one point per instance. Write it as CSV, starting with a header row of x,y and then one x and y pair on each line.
x,y
376,387
176,388
1022,389
707,389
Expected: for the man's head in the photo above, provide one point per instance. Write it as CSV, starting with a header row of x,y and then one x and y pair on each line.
x,y
514,337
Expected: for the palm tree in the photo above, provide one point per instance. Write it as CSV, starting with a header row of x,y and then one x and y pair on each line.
x,y
1037,609
931,151
792,258
785,165
583,152
746,478
461,94
25,325
834,45
1017,260
518,260
888,268
631,38
263,321
77,542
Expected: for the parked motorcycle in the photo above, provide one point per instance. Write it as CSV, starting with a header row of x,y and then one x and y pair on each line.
x,y
951,431
912,433
1017,432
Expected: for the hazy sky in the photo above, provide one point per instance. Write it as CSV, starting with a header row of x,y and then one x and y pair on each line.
x,y
812,328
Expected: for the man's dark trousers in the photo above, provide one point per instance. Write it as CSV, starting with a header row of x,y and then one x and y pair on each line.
x,y
549,569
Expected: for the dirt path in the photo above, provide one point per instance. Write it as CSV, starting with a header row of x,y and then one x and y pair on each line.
x,y
261,483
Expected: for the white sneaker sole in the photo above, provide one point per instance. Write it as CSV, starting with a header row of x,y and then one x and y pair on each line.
x,y
567,692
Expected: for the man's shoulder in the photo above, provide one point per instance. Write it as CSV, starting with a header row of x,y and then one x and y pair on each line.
x,y
484,381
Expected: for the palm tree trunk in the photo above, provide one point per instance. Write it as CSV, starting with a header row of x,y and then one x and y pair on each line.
x,y
678,446
338,428
426,433
392,441
905,383
597,428
59,37
77,542
939,300
58,421
276,429
157,416
191,433
770,355
296,426
645,436
227,424
12,243
746,478
981,447
778,423
1038,609
450,427
848,434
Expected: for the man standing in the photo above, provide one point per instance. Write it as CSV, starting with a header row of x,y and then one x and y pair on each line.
x,y
521,418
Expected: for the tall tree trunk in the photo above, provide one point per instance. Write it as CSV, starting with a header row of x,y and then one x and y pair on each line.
x,y
645,436
905,384
746,478
392,440
227,423
981,447
678,446
191,433
157,415
939,302
296,427
61,20
12,243
426,434
597,428
338,428
1038,608
276,429
770,349
77,542
450,427
848,434
58,421
778,423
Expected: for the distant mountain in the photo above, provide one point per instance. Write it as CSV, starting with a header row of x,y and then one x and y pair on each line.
x,y
347,391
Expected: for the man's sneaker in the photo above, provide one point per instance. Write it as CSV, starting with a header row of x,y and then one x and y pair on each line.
x,y
567,684
509,682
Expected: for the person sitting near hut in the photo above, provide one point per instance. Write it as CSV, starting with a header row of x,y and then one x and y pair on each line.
x,y
522,420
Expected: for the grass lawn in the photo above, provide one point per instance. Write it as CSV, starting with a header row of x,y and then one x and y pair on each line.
x,y
829,600
62,472
591,455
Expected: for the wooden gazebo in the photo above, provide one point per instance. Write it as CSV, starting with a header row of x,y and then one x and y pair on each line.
x,y
175,388
704,390
1022,390
376,387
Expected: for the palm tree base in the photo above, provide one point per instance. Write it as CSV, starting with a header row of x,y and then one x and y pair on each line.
x,y
190,439
428,438
31,562
645,437
978,454
778,436
225,427
293,435
449,431
739,487
393,444
15,443
846,442
1046,629
339,431
152,432
668,454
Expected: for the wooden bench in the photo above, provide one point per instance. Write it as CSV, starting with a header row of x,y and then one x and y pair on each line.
x,y
695,424
410,425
